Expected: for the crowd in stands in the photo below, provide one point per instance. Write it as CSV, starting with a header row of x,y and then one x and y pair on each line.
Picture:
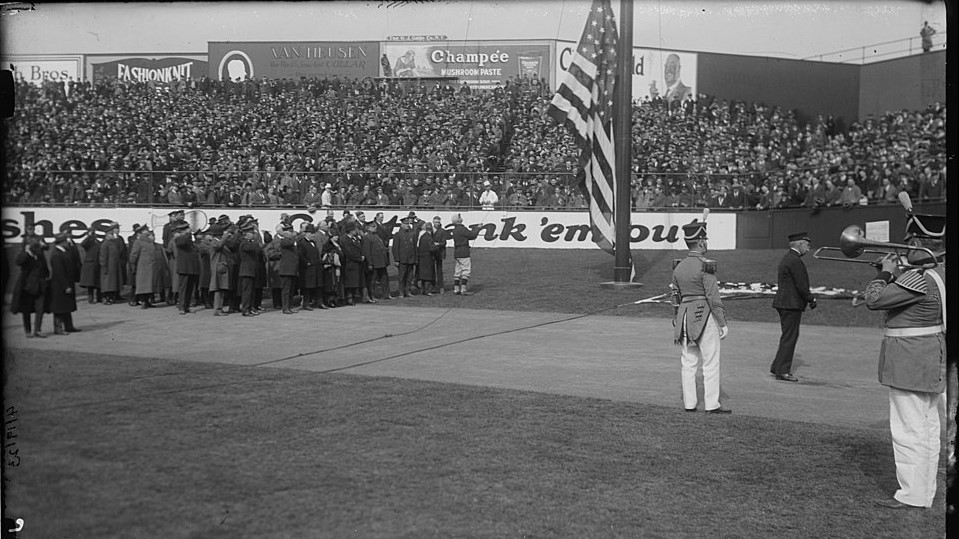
x,y
344,142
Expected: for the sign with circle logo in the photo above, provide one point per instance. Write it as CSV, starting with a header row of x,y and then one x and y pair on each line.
x,y
235,65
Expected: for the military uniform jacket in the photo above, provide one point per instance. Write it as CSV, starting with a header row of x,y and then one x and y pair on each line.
x,y
793,291
699,298
912,301
404,247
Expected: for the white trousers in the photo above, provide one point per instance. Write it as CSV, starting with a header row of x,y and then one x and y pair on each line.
x,y
706,351
914,423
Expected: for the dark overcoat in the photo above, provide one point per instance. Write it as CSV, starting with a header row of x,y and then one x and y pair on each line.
x,y
425,269
375,251
31,282
352,262
63,278
289,257
90,270
404,247
251,256
113,262
187,256
309,264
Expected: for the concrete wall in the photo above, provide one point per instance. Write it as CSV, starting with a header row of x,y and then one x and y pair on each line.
x,y
811,88
910,83
769,229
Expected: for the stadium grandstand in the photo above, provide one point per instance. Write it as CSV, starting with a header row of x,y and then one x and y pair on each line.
x,y
269,143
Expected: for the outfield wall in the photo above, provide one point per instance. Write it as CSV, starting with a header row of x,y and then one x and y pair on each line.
x,y
524,229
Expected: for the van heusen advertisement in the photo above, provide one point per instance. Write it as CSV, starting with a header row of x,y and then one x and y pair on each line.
x,y
161,70
482,65
669,74
293,59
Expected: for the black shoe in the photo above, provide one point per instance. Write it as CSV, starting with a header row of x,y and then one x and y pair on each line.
x,y
287,311
893,503
308,308
690,409
786,377
719,411
322,306
248,313
73,330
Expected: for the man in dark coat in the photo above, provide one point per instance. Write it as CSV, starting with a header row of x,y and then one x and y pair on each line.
x,y
187,264
310,269
131,268
251,256
64,274
377,259
287,266
30,289
792,296
440,237
90,268
352,263
113,264
404,255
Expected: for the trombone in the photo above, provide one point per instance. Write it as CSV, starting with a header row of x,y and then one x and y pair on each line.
x,y
853,243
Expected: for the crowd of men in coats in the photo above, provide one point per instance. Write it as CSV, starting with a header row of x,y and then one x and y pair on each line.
x,y
227,265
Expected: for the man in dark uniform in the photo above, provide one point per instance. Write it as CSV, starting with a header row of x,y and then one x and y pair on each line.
x,y
404,255
64,273
440,237
286,268
377,260
310,269
792,296
700,322
187,264
251,255
913,360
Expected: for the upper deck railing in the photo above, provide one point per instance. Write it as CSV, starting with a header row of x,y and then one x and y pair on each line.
x,y
878,52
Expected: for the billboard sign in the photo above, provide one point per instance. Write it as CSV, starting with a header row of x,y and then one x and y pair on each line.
x,y
38,69
161,70
669,74
293,59
524,229
482,65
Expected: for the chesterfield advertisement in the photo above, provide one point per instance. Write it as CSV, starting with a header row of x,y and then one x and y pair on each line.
x,y
293,59
671,75
541,230
482,65
161,70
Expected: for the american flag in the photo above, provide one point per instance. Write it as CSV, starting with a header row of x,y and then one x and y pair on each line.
x,y
583,102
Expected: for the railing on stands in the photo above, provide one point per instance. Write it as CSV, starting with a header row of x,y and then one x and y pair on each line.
x,y
555,191
886,50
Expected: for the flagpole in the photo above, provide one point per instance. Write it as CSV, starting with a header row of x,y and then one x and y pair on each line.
x,y
622,131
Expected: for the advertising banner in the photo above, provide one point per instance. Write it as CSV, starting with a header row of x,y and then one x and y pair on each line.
x,y
37,69
293,59
671,75
540,230
483,65
161,70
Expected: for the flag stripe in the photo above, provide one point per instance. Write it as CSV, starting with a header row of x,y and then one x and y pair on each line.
x,y
583,103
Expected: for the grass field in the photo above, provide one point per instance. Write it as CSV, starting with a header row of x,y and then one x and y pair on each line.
x,y
119,446
151,448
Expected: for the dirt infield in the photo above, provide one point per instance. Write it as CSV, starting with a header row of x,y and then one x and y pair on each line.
x,y
616,358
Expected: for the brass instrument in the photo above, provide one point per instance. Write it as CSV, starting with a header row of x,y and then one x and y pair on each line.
x,y
853,243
